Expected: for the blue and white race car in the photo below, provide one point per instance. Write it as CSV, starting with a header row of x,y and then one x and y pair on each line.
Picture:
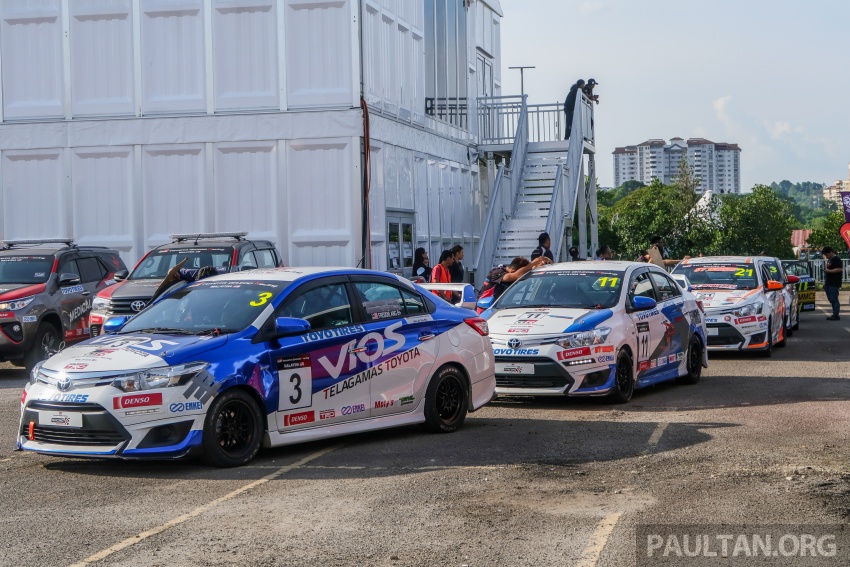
x,y
595,329
266,357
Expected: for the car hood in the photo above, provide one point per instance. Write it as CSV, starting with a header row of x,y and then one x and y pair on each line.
x,y
135,289
544,321
126,353
9,292
719,298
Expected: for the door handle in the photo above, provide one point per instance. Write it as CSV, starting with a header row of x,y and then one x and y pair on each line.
x,y
427,336
357,350
86,293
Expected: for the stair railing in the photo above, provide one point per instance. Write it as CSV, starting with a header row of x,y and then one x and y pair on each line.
x,y
555,220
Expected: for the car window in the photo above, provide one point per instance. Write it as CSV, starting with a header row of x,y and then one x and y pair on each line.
x,y
642,286
248,261
380,301
323,307
156,264
413,303
111,261
69,267
265,259
25,269
666,288
90,270
774,272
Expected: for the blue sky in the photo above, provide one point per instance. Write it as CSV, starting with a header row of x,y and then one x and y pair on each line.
x,y
770,75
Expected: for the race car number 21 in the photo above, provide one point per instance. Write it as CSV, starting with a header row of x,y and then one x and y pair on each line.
x,y
295,383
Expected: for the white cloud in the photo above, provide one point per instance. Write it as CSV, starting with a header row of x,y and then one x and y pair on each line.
x,y
720,105
780,128
590,7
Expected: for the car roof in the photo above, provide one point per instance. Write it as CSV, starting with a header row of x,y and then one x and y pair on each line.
x,y
724,259
291,274
48,250
592,265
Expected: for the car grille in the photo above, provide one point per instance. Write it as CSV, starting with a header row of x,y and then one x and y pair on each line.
x,y
94,330
74,436
547,374
727,335
99,428
63,406
122,306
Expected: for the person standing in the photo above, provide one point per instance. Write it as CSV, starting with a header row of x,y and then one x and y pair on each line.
x,y
514,271
421,264
543,249
456,270
570,106
442,273
574,254
833,276
604,253
588,90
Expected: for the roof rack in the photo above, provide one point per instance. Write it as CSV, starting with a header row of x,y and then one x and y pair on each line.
x,y
207,235
8,244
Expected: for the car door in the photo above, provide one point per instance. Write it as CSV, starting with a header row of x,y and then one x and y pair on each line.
x,y
75,299
401,343
648,327
677,327
320,378
774,302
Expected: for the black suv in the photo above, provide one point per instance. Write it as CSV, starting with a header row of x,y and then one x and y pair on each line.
x,y
46,293
226,252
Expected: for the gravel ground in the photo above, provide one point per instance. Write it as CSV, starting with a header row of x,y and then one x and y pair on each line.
x,y
525,482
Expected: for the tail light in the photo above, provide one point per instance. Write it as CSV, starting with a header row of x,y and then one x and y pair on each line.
x,y
700,305
479,324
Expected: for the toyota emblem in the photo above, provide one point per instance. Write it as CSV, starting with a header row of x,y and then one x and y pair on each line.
x,y
514,343
137,306
64,384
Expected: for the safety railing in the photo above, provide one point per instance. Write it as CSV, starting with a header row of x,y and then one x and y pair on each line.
x,y
555,221
499,116
818,270
546,122
452,110
518,153
492,224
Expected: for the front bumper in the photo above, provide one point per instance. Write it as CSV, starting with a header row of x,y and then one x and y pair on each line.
x,y
92,422
17,333
727,332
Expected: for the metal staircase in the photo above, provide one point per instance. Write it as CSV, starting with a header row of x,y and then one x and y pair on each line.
x,y
541,186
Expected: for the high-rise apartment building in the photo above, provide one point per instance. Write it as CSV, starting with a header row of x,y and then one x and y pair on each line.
x,y
717,165
833,192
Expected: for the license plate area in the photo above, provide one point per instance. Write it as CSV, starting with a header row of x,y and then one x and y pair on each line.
x,y
713,331
510,368
60,419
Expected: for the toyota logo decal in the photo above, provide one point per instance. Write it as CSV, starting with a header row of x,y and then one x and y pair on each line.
x,y
64,384
514,343
137,306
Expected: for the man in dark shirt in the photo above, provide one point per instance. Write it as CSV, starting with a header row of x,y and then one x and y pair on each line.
x,y
456,269
570,106
543,250
833,273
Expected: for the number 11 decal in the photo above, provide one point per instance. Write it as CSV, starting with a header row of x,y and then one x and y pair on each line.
x,y
295,383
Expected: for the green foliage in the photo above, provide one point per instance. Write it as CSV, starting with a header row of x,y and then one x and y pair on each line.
x,y
759,221
808,206
826,234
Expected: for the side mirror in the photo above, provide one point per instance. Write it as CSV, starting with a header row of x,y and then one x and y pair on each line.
x,y
113,325
68,279
485,303
641,303
774,286
290,326
120,275
793,280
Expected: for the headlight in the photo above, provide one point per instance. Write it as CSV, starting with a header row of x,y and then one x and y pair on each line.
x,y
100,304
585,338
16,304
160,377
34,372
749,310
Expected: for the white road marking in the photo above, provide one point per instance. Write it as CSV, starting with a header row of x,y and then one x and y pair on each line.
x,y
593,549
655,437
199,510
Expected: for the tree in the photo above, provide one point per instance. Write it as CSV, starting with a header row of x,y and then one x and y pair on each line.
x,y
827,233
760,221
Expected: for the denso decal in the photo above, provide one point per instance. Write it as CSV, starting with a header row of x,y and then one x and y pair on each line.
x,y
573,353
516,352
351,410
314,336
372,347
365,376
6,315
383,404
185,406
744,320
645,365
299,418
137,400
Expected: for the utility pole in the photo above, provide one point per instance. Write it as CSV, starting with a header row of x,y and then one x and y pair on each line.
x,y
522,77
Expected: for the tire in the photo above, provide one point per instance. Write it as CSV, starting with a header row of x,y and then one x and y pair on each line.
x,y
233,430
796,326
46,341
693,363
446,401
789,330
768,352
624,380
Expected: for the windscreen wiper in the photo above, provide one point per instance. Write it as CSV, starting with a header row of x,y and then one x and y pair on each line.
x,y
165,331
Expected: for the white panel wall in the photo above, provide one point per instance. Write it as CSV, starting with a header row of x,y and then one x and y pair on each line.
x,y
318,46
31,179
102,196
101,40
322,203
420,169
174,72
33,68
173,190
246,188
245,46
372,52
380,157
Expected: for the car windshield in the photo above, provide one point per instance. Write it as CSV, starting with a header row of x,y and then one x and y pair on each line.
x,y
796,268
25,269
572,289
207,307
156,264
720,275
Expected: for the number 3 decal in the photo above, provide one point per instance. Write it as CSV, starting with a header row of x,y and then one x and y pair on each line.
x,y
263,299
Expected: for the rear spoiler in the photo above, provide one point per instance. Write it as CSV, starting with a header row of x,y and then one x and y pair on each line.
x,y
466,291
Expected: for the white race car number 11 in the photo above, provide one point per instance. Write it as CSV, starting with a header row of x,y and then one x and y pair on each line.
x,y
295,383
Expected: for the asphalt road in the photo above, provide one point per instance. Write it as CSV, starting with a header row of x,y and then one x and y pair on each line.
x,y
525,482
